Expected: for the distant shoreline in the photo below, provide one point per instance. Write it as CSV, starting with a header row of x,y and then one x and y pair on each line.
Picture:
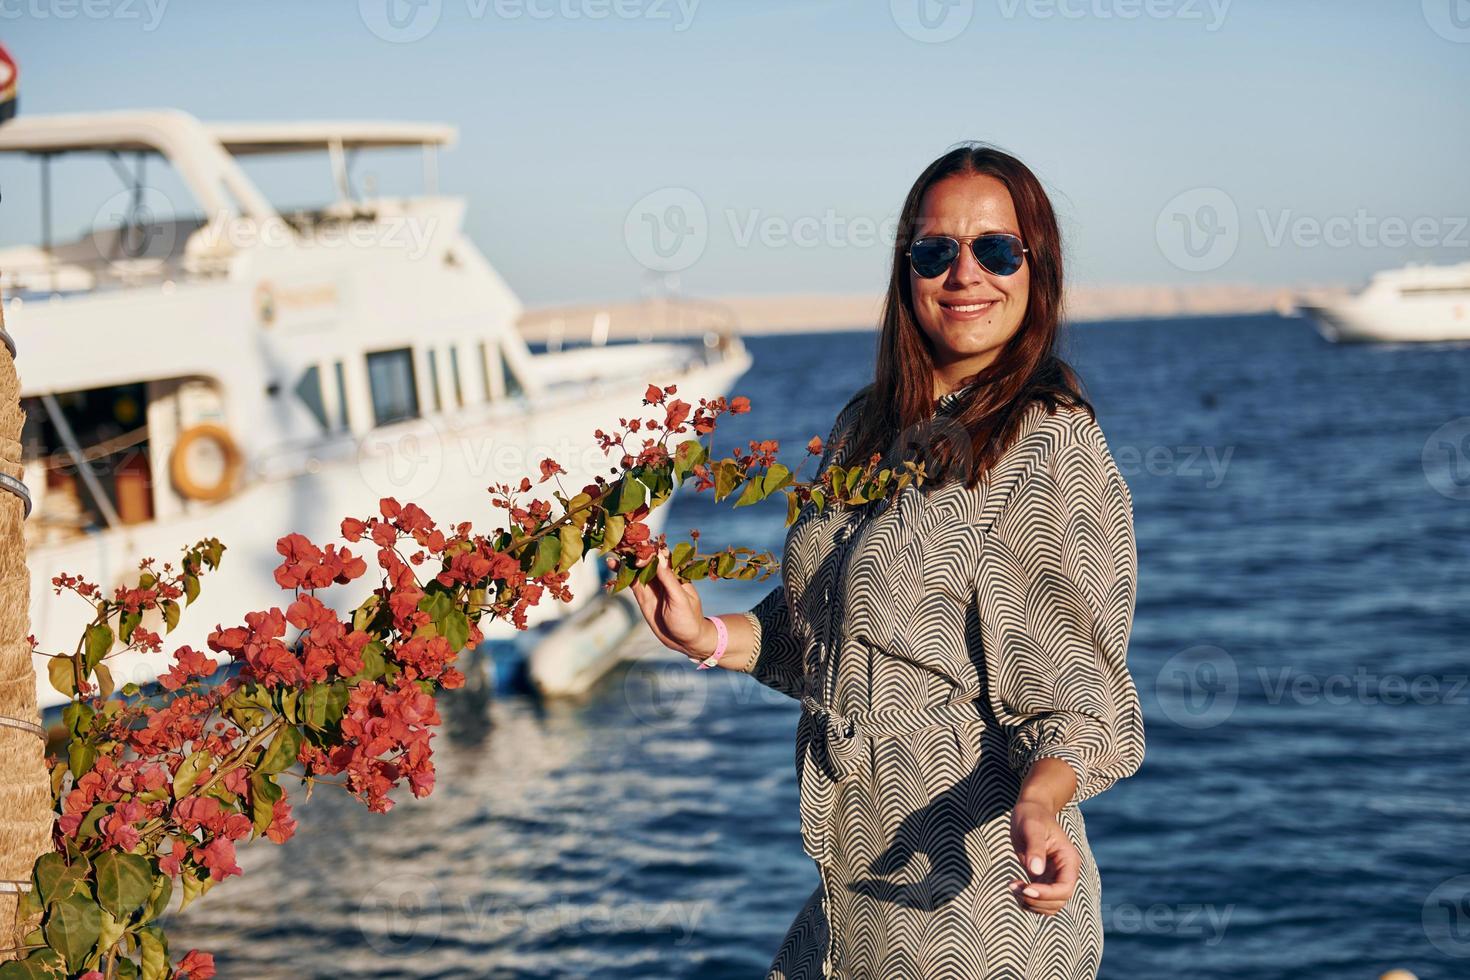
x,y
811,313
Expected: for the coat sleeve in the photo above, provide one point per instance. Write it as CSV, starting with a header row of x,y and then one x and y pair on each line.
x,y
779,660
1056,588
778,653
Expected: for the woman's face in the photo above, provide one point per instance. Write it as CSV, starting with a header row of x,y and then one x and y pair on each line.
x,y
967,313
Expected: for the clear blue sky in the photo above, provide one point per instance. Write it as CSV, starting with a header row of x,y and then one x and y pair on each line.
x,y
818,115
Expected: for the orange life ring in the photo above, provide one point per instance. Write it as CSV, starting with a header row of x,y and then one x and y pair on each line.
x,y
179,464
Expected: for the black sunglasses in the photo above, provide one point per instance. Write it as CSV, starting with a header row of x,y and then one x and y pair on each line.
x,y
998,253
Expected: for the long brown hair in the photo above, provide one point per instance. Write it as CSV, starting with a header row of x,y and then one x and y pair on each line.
x,y
967,440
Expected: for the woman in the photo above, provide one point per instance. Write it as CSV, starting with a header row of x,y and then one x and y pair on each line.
x,y
959,651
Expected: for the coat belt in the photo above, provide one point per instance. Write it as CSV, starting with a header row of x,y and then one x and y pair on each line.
x,y
834,744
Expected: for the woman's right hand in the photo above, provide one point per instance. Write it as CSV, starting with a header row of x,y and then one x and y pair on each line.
x,y
674,612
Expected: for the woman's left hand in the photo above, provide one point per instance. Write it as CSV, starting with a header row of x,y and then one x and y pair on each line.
x,y
1048,856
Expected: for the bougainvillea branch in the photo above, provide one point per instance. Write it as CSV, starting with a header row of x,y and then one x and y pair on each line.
x,y
155,789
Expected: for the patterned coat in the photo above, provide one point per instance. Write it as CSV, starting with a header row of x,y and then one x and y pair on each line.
x,y
940,643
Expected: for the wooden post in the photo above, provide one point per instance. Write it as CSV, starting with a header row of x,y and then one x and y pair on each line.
x,y
25,791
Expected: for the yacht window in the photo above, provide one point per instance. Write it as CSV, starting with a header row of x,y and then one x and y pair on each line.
x,y
513,387
395,394
309,390
344,421
454,375
485,370
434,380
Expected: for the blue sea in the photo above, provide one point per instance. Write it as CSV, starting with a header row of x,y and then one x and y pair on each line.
x,y
1300,645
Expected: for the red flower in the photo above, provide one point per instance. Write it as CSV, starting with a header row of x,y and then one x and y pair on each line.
x,y
219,857
197,966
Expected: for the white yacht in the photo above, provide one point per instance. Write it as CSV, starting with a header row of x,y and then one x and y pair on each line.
x,y
1418,303
242,371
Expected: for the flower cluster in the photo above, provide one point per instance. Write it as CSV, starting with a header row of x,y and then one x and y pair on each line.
x,y
155,789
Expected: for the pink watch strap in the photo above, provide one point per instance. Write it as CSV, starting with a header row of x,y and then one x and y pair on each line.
x,y
723,635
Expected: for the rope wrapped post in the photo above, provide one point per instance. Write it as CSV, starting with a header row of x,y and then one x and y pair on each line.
x,y
25,787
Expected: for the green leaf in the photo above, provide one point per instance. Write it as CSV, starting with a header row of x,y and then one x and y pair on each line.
x,y
158,897
282,752
54,879
153,946
103,676
363,615
631,494
191,588
571,551
548,552
99,642
681,554
613,532
170,614
753,494
89,822
337,697
77,717
727,475
776,477
691,453
124,882
42,964
80,756
373,663
189,771
455,628
263,796
73,927
130,621
112,930
314,706
63,675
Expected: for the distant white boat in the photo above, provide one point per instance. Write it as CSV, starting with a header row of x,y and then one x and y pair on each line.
x,y
1418,303
243,371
